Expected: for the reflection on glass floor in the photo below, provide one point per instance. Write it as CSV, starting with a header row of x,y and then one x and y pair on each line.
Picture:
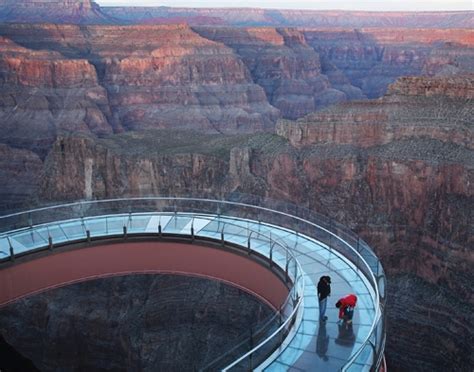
x,y
315,346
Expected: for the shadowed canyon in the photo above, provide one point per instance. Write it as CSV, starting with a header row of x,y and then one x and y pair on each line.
x,y
368,120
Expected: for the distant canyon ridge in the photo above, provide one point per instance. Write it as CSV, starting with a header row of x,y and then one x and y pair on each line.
x,y
89,12
364,117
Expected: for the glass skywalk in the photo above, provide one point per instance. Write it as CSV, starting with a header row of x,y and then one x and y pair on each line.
x,y
311,345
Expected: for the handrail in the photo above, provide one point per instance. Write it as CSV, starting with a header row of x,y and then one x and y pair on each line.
x,y
367,269
263,343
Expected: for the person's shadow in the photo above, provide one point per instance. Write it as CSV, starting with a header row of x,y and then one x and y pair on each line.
x,y
322,343
346,335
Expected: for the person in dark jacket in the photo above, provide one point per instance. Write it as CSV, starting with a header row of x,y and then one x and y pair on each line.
x,y
324,291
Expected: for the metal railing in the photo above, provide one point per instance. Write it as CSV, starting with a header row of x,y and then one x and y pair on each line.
x,y
292,217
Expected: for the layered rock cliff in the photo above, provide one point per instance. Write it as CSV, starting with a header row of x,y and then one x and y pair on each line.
x,y
56,11
114,78
89,12
371,59
292,17
170,78
43,93
282,63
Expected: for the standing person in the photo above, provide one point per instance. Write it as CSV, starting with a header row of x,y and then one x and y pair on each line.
x,y
346,307
324,290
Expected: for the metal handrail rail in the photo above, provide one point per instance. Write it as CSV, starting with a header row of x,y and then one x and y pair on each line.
x,y
245,205
264,342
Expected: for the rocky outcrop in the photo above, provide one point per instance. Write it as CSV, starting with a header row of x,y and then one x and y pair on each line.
x,y
415,107
454,87
42,93
171,78
283,64
140,323
89,12
111,78
293,18
19,172
56,11
371,59
103,165
428,309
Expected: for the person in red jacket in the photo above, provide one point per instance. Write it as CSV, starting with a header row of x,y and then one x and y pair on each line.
x,y
346,307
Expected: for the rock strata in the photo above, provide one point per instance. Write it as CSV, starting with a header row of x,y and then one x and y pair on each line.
x,y
55,11
172,78
43,93
282,63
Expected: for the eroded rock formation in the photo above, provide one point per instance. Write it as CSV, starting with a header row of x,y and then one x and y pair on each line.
x,y
55,11
43,93
283,64
172,78
112,78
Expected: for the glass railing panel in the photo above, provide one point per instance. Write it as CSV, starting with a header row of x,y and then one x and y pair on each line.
x,y
28,240
177,224
261,244
74,230
57,234
4,248
114,225
213,226
237,239
200,223
138,224
96,226
232,229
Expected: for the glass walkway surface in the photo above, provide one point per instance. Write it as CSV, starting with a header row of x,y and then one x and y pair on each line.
x,y
305,248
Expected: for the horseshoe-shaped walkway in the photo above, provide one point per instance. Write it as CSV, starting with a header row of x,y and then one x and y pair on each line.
x,y
310,345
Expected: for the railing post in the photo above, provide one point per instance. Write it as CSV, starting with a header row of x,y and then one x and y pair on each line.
x,y
280,322
248,246
160,233
271,255
192,231
12,253
251,355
